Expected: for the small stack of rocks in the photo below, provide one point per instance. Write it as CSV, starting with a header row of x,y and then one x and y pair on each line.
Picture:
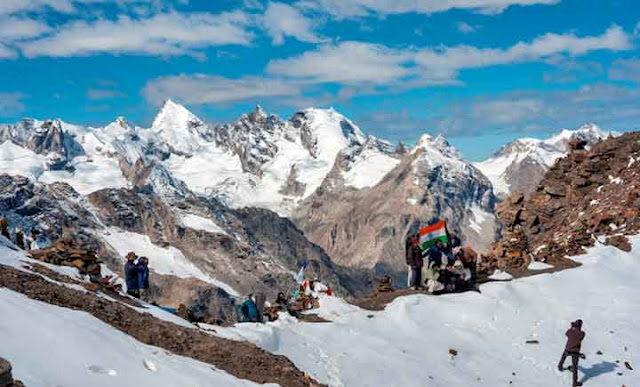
x,y
384,284
71,251
6,379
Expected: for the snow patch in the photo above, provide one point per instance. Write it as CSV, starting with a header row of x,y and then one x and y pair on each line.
x,y
197,222
537,265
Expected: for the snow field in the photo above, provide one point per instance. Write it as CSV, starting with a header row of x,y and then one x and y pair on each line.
x,y
408,343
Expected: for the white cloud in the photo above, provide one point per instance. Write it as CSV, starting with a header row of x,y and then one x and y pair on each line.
x,y
9,7
358,8
11,104
465,57
7,52
97,94
347,62
162,34
207,89
625,70
13,28
282,20
613,107
355,63
506,112
465,28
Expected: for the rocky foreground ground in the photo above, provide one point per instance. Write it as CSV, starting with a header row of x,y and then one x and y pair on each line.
x,y
241,359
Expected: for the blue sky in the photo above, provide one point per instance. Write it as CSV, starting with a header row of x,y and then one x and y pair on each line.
x,y
483,72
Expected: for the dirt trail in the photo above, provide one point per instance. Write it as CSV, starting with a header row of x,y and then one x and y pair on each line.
x,y
241,359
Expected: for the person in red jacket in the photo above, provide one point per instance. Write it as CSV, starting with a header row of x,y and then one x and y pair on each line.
x,y
575,335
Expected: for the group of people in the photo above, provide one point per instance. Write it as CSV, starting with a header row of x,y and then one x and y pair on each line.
x,y
449,267
255,308
136,275
20,239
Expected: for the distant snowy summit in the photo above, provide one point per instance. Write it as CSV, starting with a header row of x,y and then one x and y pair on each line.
x,y
259,160
520,165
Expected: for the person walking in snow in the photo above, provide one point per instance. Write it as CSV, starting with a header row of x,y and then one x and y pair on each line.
x,y
575,335
143,278
415,261
131,275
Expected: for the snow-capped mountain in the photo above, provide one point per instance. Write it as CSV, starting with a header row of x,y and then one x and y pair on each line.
x,y
263,161
259,160
366,228
520,165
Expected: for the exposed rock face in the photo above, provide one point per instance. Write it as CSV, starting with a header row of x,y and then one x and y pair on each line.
x,y
588,195
367,228
254,250
49,208
521,164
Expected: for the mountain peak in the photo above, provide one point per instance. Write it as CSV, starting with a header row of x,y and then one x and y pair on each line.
x,y
175,116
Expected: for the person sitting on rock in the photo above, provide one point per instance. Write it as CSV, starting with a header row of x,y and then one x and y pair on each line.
x,y
131,275
143,278
281,302
575,335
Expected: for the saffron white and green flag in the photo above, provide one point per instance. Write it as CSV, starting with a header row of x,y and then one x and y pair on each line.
x,y
430,234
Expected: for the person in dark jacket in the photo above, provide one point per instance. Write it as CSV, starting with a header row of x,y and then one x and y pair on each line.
x,y
575,335
143,277
415,261
131,275
436,254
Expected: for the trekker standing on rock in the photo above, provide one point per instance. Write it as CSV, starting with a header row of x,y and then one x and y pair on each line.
x,y
143,278
131,275
414,260
575,335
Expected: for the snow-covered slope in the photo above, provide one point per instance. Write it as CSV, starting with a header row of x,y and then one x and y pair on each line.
x,y
519,165
408,343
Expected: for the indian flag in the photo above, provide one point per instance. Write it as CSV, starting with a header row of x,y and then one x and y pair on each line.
x,y
430,234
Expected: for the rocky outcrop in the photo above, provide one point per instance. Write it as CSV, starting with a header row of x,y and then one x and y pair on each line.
x,y
366,229
592,194
6,378
48,208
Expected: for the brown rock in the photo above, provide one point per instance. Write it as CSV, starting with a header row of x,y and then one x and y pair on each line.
x,y
453,352
620,242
